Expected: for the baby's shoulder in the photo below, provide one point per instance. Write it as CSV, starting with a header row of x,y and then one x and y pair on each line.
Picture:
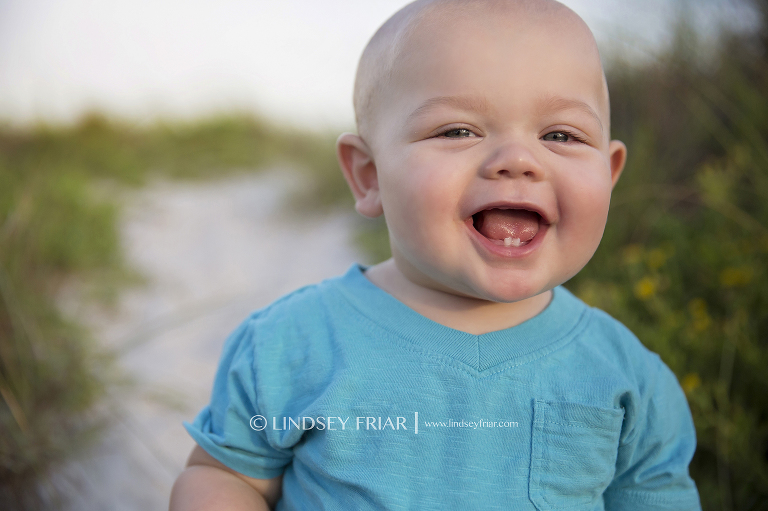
x,y
644,375
604,327
304,299
294,317
616,347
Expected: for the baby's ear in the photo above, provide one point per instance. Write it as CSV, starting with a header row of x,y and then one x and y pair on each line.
x,y
617,156
359,169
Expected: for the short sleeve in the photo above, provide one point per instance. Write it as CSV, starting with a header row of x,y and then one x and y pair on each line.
x,y
653,459
223,428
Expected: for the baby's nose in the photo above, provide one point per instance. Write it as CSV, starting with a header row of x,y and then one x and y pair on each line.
x,y
512,159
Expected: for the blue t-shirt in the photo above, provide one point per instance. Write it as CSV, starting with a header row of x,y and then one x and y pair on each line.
x,y
362,403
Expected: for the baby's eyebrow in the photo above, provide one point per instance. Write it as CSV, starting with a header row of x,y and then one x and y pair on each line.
x,y
557,103
470,103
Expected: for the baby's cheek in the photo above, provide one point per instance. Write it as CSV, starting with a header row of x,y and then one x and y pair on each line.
x,y
407,212
583,216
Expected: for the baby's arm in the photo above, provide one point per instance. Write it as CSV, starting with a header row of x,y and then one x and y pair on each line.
x,y
208,484
652,465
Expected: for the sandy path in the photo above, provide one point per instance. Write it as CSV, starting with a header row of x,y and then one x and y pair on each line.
x,y
212,253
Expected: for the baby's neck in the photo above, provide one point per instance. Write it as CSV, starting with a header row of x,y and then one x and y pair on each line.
x,y
471,315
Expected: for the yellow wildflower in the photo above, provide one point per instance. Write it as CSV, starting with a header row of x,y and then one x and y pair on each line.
x,y
632,254
645,288
656,258
691,382
736,277
698,310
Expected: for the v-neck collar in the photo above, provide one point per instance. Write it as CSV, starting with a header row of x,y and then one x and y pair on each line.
x,y
481,353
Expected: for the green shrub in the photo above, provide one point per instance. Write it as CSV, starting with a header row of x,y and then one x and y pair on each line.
x,y
50,372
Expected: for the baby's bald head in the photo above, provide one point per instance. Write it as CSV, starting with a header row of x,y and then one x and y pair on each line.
x,y
390,44
479,120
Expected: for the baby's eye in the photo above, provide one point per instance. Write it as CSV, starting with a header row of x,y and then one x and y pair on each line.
x,y
557,136
458,133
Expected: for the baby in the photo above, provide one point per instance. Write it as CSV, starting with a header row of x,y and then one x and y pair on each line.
x,y
459,373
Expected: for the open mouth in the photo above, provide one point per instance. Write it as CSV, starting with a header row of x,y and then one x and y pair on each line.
x,y
507,227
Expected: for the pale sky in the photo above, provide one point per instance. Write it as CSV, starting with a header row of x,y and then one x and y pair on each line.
x,y
292,60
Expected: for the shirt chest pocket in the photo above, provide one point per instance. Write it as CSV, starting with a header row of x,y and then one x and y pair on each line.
x,y
573,454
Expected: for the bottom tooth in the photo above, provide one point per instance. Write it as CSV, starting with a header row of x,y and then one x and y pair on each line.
x,y
512,242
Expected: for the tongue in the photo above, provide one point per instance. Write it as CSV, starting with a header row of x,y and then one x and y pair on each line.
x,y
498,224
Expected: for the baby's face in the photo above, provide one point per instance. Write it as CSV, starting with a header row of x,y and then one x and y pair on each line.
x,y
493,157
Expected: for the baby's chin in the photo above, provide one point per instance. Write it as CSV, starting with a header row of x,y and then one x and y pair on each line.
x,y
509,295
494,290
477,283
